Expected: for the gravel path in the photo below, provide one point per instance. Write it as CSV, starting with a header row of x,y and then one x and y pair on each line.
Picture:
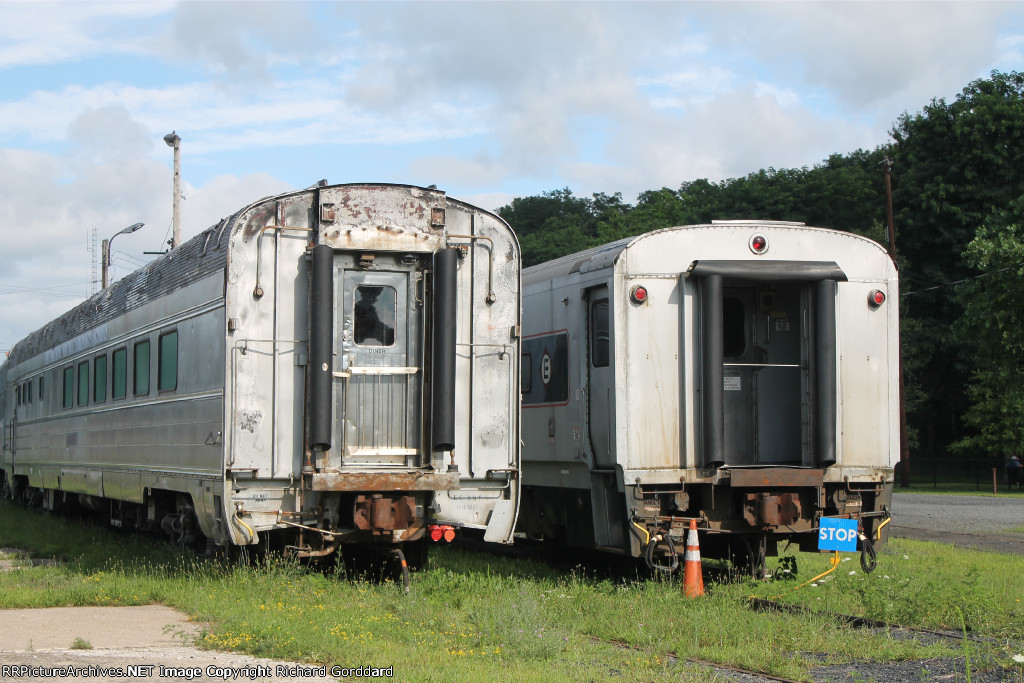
x,y
36,642
980,522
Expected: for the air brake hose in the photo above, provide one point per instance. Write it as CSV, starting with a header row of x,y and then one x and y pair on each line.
x,y
649,554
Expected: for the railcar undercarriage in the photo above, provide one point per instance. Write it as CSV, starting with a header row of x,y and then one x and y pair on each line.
x,y
745,517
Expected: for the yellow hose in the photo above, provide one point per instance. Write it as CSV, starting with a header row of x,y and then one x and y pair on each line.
x,y
252,534
646,533
878,531
835,564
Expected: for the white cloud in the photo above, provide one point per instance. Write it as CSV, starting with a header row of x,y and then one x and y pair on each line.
x,y
55,32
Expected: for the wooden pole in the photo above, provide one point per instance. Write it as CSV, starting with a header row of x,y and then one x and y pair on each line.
x,y
904,444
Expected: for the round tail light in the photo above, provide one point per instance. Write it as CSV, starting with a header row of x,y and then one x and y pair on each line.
x,y
758,244
876,298
638,294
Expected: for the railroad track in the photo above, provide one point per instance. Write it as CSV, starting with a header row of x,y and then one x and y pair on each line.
x,y
676,657
765,605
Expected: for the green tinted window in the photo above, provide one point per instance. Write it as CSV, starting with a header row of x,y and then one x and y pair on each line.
x,y
140,368
119,384
99,379
69,387
167,377
83,383
41,388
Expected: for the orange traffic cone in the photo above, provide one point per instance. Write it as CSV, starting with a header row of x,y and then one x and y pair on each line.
x,y
693,575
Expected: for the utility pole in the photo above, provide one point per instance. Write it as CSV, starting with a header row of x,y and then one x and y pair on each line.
x,y
106,249
173,140
95,268
904,445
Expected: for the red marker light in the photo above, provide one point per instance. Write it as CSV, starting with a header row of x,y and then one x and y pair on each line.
x,y
758,244
439,531
876,298
638,294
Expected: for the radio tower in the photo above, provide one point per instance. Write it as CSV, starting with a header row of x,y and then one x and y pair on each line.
x,y
95,253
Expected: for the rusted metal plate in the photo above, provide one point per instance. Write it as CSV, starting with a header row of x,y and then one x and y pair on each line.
x,y
771,509
385,481
378,512
776,477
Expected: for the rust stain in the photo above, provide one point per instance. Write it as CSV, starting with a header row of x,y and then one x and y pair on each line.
x,y
384,481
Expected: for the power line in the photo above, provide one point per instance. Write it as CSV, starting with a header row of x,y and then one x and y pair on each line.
x,y
43,291
966,279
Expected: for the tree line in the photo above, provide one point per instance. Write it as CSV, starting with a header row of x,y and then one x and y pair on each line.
x,y
958,197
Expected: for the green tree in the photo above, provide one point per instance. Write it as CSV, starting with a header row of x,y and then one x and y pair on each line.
x,y
992,327
557,222
955,164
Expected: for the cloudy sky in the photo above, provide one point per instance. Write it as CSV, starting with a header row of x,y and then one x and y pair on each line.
x,y
486,100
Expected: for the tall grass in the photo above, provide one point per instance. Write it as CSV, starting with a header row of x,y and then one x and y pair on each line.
x,y
472,616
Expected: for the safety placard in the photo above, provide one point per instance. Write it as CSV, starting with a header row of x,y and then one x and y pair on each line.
x,y
837,534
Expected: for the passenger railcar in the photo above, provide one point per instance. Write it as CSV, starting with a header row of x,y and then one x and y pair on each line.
x,y
333,365
739,374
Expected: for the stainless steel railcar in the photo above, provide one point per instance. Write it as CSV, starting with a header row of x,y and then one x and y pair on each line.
x,y
740,374
338,364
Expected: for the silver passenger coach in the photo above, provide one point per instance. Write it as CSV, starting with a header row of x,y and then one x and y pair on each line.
x,y
739,374
335,365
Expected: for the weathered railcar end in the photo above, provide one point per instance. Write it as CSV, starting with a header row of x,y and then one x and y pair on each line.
x,y
740,374
334,365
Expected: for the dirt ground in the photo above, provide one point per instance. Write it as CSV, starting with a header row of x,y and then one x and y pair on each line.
x,y
33,642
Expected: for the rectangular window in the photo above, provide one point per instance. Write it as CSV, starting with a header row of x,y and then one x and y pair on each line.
x,y
119,385
140,368
376,310
17,395
69,388
600,334
99,379
167,373
41,388
28,392
83,383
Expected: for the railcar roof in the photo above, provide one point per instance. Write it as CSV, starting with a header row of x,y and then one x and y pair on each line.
x,y
205,253
611,251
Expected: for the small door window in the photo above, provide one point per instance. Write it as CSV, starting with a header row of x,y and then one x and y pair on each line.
x,y
734,327
376,309
600,334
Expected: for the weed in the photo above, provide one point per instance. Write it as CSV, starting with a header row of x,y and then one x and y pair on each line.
x,y
81,644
